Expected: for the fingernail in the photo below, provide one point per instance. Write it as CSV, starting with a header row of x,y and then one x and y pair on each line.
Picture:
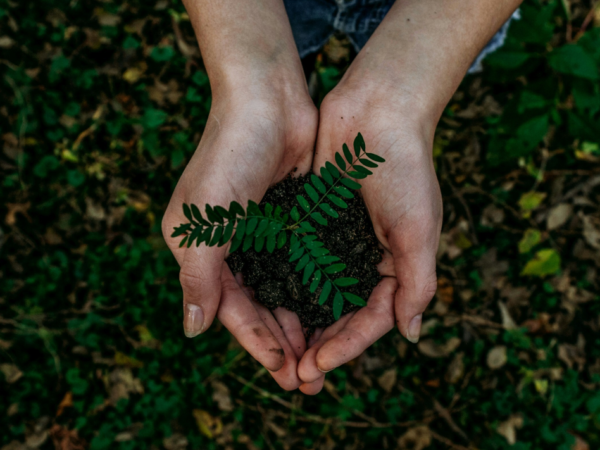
x,y
414,329
323,371
193,320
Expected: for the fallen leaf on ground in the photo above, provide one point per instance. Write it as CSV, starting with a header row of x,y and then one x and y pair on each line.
x,y
545,262
434,350
496,357
558,216
209,426
418,438
509,427
387,381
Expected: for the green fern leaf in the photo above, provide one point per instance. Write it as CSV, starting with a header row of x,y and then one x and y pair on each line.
x,y
236,208
368,163
345,282
222,212
262,226
335,173
295,214
325,292
303,262
338,304
186,212
319,218
314,284
337,201
354,299
341,190
216,236
303,203
340,161
271,243
357,175
318,183
375,157
326,175
268,210
212,216
247,242
259,243
335,268
197,215
183,241
308,271
351,183
359,144
329,210
311,192
251,226
181,229
319,251
327,259
227,233
347,154
297,254
281,238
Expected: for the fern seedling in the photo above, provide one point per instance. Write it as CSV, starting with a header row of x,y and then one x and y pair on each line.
x,y
273,228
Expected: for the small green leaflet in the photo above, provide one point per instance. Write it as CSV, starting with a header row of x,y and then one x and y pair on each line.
x,y
338,304
325,292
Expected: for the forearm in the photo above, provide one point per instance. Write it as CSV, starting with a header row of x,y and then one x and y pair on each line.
x,y
246,44
423,48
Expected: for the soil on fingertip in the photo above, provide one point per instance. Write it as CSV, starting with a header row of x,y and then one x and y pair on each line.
x,y
275,283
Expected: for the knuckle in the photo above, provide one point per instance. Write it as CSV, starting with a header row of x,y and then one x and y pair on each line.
x,y
191,279
430,287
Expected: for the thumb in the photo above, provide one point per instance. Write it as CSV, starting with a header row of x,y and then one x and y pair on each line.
x,y
414,249
200,278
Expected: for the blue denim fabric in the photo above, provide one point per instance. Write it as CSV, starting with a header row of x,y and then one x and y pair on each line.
x,y
314,21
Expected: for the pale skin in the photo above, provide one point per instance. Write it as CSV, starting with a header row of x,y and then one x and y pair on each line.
x,y
263,126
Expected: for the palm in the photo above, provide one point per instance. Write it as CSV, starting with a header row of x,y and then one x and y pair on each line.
x,y
404,203
244,149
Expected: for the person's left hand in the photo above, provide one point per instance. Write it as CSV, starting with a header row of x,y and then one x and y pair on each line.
x,y
404,201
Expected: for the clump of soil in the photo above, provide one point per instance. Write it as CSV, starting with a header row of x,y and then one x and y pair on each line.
x,y
350,237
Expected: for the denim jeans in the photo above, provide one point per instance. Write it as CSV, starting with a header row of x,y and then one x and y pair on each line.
x,y
314,21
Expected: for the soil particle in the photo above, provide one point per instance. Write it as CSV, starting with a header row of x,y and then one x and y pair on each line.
x,y
273,279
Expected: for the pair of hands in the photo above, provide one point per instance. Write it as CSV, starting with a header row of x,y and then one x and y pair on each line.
x,y
253,139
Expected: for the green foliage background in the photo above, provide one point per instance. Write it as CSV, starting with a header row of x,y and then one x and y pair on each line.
x,y
103,102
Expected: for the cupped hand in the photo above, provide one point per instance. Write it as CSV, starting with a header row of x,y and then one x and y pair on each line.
x,y
404,201
253,139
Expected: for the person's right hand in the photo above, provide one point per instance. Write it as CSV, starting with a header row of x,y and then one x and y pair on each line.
x,y
253,139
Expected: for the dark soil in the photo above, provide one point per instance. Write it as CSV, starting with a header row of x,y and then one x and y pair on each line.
x,y
272,277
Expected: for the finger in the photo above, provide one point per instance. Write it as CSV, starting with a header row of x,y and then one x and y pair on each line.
x,y
292,328
200,278
307,368
286,377
314,338
414,248
367,326
240,317
312,388
386,266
